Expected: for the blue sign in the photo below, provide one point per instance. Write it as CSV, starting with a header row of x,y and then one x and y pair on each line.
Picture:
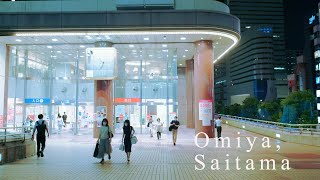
x,y
312,19
65,101
37,101
317,80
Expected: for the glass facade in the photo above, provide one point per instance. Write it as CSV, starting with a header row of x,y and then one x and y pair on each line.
x,y
50,79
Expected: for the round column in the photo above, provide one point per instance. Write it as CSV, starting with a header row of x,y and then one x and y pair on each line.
x,y
203,88
103,93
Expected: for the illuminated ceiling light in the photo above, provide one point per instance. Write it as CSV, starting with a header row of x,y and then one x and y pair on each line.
x,y
134,50
82,56
18,40
70,54
131,45
136,63
184,56
164,45
82,46
232,37
50,47
183,38
201,38
58,51
165,50
248,27
146,39
88,37
107,37
186,50
54,40
150,55
180,64
123,57
54,56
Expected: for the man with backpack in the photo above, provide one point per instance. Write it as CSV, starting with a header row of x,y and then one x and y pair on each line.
x,y
41,127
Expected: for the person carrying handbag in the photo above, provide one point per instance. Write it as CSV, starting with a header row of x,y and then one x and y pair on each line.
x,y
128,132
104,140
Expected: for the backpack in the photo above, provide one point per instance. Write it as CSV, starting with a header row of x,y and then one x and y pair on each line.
x,y
41,129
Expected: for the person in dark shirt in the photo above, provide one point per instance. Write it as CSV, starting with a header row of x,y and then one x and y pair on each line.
x,y
175,125
41,127
128,131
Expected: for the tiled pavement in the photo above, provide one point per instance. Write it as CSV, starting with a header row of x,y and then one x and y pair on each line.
x,y
70,157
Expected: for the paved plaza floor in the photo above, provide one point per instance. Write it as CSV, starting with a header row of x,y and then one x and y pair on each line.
x,y
70,157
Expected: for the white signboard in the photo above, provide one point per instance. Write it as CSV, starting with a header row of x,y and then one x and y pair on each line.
x,y
101,63
205,112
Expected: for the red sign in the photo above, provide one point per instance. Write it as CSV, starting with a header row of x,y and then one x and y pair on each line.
x,y
1,121
127,100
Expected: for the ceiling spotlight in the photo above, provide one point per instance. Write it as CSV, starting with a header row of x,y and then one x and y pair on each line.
x,y
146,39
164,45
50,47
183,38
180,64
82,46
88,37
18,40
54,40
131,45
184,56
58,51
186,50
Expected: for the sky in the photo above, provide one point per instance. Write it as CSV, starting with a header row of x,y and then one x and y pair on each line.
x,y
297,14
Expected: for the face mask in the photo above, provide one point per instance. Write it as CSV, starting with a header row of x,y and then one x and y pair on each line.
x,y
104,123
125,124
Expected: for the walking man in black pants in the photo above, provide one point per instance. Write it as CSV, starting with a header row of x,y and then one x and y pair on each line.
x,y
41,127
219,128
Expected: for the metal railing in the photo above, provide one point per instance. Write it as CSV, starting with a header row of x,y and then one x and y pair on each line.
x,y
12,134
311,129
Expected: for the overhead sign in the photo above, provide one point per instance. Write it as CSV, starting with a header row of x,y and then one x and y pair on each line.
x,y
205,112
127,100
101,63
37,101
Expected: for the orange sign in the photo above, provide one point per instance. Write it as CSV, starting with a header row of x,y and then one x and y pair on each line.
x,y
127,100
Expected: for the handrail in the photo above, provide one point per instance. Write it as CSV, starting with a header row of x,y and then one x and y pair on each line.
x,y
6,133
301,128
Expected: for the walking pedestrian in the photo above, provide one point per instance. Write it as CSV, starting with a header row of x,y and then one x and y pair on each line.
x,y
218,126
128,132
159,126
41,127
150,125
104,140
60,123
175,125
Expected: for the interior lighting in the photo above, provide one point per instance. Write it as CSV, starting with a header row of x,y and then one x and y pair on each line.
x,y
131,45
232,37
164,45
50,47
146,39
137,63
18,40
82,46
183,38
54,40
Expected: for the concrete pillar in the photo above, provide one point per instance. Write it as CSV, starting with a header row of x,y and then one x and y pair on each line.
x,y
103,96
203,86
189,94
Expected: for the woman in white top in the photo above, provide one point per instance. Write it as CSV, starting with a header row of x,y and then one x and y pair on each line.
x,y
60,123
105,140
159,126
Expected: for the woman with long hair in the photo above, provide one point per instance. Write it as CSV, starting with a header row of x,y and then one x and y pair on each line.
x,y
128,131
104,140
